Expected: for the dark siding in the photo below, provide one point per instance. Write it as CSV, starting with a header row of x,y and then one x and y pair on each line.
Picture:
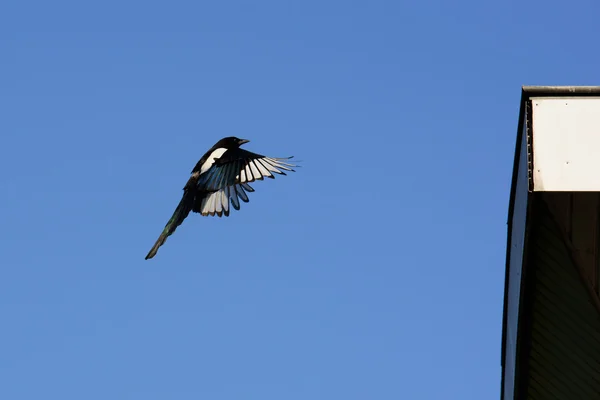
x,y
564,351
514,276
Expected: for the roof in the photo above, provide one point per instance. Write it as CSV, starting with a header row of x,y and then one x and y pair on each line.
x,y
526,93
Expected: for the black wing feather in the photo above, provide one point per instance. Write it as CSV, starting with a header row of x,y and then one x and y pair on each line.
x,y
241,166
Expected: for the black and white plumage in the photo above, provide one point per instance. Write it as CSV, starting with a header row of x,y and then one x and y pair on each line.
x,y
221,177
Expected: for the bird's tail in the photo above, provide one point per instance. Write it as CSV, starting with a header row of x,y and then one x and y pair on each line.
x,y
181,212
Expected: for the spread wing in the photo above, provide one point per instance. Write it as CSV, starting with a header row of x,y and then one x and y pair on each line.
x,y
227,180
242,166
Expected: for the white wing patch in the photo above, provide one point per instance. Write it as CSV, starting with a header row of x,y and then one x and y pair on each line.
x,y
217,203
211,159
260,168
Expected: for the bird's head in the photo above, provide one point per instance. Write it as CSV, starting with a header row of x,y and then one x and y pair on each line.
x,y
231,142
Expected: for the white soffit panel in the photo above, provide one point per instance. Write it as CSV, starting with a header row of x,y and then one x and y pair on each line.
x,y
566,144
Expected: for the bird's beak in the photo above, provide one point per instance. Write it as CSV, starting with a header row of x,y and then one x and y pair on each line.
x,y
242,141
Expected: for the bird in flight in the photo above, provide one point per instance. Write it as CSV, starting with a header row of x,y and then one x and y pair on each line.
x,y
222,175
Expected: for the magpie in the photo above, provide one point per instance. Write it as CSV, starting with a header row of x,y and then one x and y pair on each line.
x,y
222,175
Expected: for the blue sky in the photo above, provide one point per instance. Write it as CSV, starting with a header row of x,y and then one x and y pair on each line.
x,y
374,272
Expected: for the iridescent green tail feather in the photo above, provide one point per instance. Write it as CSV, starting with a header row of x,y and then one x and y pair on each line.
x,y
181,212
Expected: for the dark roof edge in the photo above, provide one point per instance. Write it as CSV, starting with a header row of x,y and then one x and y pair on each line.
x,y
529,91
